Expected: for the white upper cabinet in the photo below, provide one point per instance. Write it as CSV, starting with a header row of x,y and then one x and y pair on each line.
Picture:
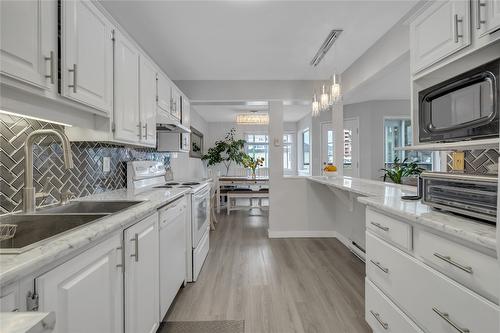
x,y
164,97
487,18
142,276
87,55
147,96
86,292
28,48
186,112
176,105
441,30
126,104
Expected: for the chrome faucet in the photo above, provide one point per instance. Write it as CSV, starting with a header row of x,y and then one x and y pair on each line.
x,y
29,195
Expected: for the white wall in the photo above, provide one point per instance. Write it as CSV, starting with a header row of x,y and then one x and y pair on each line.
x,y
371,116
185,167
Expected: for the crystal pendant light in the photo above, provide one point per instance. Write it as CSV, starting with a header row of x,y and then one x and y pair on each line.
x,y
315,106
324,100
335,90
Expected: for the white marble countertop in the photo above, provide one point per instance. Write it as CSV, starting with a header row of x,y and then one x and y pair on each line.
x,y
27,322
387,197
17,266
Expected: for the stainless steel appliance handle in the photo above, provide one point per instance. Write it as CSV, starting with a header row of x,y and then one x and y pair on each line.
x,y
74,71
51,60
450,261
478,14
382,268
457,35
380,226
446,318
136,241
377,316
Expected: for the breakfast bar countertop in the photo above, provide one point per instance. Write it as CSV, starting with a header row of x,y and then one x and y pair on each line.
x,y
386,197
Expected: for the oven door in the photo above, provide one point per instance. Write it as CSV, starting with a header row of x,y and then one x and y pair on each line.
x,y
462,108
201,214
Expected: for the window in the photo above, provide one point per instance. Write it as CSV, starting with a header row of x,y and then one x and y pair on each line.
x,y
257,146
347,148
306,149
398,133
288,150
329,146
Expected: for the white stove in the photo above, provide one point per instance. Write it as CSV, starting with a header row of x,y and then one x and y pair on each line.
x,y
150,175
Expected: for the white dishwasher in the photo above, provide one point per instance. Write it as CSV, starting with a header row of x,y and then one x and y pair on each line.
x,y
173,219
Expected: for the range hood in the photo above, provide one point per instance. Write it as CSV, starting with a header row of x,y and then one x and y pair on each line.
x,y
167,123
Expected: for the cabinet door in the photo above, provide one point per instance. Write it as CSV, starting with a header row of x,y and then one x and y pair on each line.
x,y
142,276
126,105
175,109
28,48
87,55
86,292
147,89
487,16
164,98
186,112
441,30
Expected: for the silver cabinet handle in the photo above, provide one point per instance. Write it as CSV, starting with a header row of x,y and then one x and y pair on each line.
x,y
446,317
136,241
382,268
450,261
377,316
380,226
457,21
145,130
51,60
73,70
478,14
120,248
139,126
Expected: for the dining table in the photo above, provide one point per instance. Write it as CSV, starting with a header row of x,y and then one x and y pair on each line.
x,y
239,181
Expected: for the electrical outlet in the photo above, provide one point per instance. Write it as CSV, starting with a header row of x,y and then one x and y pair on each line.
x,y
106,164
458,161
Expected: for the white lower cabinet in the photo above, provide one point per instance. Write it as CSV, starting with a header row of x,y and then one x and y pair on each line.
x,y
86,292
142,276
383,315
435,302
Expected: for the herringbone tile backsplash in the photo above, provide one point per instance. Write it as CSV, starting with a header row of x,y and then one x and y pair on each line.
x,y
49,174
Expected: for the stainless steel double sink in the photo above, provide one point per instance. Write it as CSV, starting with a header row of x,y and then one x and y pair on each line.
x,y
46,223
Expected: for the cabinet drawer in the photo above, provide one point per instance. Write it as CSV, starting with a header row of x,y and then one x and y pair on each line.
x,y
384,316
435,302
392,230
471,268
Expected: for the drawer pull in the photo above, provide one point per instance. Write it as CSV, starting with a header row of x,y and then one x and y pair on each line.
x,y
380,226
136,242
446,317
382,268
377,316
450,261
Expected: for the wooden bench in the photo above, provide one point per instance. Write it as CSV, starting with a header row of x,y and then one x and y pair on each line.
x,y
232,196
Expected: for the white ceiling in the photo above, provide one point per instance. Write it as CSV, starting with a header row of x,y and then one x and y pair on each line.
x,y
254,40
226,112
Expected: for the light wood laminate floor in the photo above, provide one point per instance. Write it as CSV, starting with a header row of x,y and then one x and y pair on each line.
x,y
275,285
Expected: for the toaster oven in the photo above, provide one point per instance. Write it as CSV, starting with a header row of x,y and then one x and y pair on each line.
x,y
471,195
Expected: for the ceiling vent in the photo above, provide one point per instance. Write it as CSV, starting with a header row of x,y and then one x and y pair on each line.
x,y
327,44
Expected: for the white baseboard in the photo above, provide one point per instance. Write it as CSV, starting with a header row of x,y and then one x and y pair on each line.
x,y
302,234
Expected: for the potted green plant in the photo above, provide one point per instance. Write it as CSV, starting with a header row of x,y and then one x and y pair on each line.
x,y
399,172
226,151
253,163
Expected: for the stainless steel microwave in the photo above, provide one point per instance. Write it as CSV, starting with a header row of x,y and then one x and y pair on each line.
x,y
464,107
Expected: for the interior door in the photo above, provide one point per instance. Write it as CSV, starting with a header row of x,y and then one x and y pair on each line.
x,y
126,105
351,147
147,96
86,292
327,147
142,276
87,55
28,48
